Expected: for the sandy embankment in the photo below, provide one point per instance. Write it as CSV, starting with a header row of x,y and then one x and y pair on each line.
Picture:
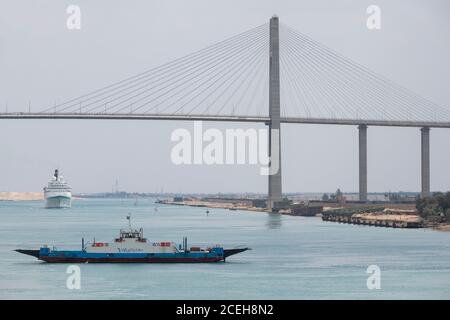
x,y
388,217
391,214
442,227
215,205
21,196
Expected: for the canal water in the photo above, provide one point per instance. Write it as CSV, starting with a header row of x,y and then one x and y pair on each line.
x,y
292,257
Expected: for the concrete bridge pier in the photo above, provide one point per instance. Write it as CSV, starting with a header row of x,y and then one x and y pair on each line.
x,y
362,162
274,114
425,162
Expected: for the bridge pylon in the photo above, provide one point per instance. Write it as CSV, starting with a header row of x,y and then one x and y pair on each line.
x,y
425,162
274,115
362,162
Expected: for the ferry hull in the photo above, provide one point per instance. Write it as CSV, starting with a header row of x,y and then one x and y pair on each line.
x,y
129,260
84,257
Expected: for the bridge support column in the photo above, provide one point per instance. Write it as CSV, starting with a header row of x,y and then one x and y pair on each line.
x,y
274,114
362,162
425,163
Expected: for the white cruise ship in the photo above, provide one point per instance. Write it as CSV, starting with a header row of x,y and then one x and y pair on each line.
x,y
57,193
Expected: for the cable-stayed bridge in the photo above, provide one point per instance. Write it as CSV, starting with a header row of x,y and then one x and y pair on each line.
x,y
271,74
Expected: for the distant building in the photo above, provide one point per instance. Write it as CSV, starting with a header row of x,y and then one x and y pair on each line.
x,y
401,197
178,199
259,203
281,205
300,209
233,201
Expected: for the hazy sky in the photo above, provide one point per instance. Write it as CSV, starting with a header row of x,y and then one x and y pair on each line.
x,y
42,61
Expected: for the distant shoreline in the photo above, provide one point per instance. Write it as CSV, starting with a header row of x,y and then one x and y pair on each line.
x,y
25,196
21,196
396,216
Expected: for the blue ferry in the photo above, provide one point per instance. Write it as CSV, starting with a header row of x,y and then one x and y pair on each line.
x,y
132,247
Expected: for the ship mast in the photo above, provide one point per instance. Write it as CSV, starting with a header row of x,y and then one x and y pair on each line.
x,y
129,220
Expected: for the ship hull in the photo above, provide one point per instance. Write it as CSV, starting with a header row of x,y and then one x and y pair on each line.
x,y
129,260
58,202
86,257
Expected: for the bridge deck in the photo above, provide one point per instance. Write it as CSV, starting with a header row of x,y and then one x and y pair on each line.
x,y
115,116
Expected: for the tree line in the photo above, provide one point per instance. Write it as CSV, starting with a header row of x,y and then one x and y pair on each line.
x,y
435,208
